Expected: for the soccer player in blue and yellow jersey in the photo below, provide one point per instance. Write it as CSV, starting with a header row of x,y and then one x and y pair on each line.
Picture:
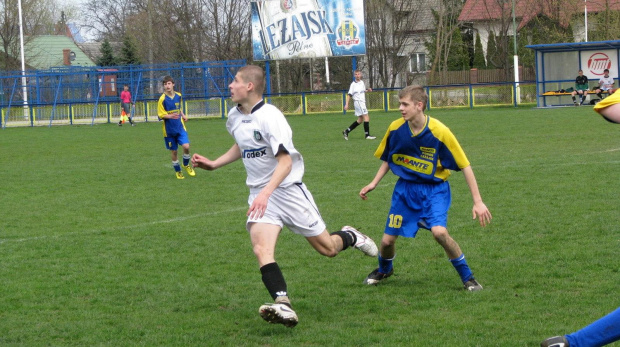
x,y
421,151
175,133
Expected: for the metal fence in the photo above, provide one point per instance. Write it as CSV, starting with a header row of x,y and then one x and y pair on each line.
x,y
66,97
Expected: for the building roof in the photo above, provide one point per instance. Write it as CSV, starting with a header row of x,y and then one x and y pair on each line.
x,y
576,46
46,51
526,10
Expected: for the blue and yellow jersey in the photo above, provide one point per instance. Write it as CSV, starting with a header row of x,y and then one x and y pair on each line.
x,y
167,105
426,157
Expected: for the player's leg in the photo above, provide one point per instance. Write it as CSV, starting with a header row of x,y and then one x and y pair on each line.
x,y
402,220
456,256
583,93
573,94
330,245
264,237
598,93
599,333
296,207
172,145
351,127
184,140
366,119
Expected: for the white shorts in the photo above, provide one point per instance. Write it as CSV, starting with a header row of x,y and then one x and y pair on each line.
x,y
360,108
294,207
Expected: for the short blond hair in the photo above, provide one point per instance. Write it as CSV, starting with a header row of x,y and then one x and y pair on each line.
x,y
254,74
415,92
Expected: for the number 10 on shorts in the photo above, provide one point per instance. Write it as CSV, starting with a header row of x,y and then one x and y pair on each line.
x,y
396,221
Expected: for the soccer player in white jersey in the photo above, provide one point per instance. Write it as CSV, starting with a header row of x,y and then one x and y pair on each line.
x,y
278,197
357,92
605,83
422,151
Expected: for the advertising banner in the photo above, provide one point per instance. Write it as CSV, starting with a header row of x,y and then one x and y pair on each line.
x,y
288,29
595,62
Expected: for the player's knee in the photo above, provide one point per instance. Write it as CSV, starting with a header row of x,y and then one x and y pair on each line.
x,y
330,253
440,234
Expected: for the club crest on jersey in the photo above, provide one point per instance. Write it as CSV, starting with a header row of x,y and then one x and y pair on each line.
x,y
257,135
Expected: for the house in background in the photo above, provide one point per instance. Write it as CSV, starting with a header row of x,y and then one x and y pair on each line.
x,y
48,51
496,15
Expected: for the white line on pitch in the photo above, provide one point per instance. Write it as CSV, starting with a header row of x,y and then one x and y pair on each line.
x,y
94,231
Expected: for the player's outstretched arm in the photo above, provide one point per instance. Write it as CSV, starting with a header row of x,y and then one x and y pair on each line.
x,y
207,164
479,210
383,169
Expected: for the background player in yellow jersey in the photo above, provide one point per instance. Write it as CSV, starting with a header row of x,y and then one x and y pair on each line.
x,y
175,133
421,151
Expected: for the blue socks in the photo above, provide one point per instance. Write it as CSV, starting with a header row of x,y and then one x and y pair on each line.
x,y
385,265
176,166
186,158
460,265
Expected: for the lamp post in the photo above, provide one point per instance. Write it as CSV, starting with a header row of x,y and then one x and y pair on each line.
x,y
21,45
516,57
585,14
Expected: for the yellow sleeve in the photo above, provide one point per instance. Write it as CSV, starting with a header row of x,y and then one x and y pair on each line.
x,y
161,111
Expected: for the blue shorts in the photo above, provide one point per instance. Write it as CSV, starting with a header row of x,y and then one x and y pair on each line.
x,y
173,142
418,205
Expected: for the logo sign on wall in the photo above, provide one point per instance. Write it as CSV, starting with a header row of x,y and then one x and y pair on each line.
x,y
595,62
287,29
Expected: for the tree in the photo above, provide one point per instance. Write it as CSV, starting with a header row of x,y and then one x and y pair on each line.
x,y
38,17
491,51
129,54
107,57
439,45
458,59
479,61
389,28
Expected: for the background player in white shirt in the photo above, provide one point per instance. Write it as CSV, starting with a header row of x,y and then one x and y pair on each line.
x,y
357,92
264,141
606,83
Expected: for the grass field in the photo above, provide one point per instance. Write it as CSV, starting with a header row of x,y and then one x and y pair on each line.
x,y
100,245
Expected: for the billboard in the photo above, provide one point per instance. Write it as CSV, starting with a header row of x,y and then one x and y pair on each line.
x,y
287,29
594,62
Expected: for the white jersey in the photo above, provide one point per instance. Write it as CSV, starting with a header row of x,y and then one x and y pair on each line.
x,y
357,90
606,83
259,136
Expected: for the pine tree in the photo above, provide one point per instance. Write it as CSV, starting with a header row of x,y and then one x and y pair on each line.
x,y
458,59
491,51
129,54
107,57
479,62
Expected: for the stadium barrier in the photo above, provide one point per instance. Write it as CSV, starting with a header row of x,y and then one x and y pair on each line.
x,y
466,96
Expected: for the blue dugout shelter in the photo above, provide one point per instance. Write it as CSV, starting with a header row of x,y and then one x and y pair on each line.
x,y
557,65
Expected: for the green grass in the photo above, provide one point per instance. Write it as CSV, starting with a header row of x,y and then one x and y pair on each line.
x,y
101,245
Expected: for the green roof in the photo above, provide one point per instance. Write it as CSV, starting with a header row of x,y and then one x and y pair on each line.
x,y
45,51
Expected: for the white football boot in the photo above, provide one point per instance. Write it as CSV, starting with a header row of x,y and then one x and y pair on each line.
x,y
363,242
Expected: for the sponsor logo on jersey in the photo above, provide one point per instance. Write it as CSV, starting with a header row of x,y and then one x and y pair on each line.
x,y
254,153
428,153
413,163
598,62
